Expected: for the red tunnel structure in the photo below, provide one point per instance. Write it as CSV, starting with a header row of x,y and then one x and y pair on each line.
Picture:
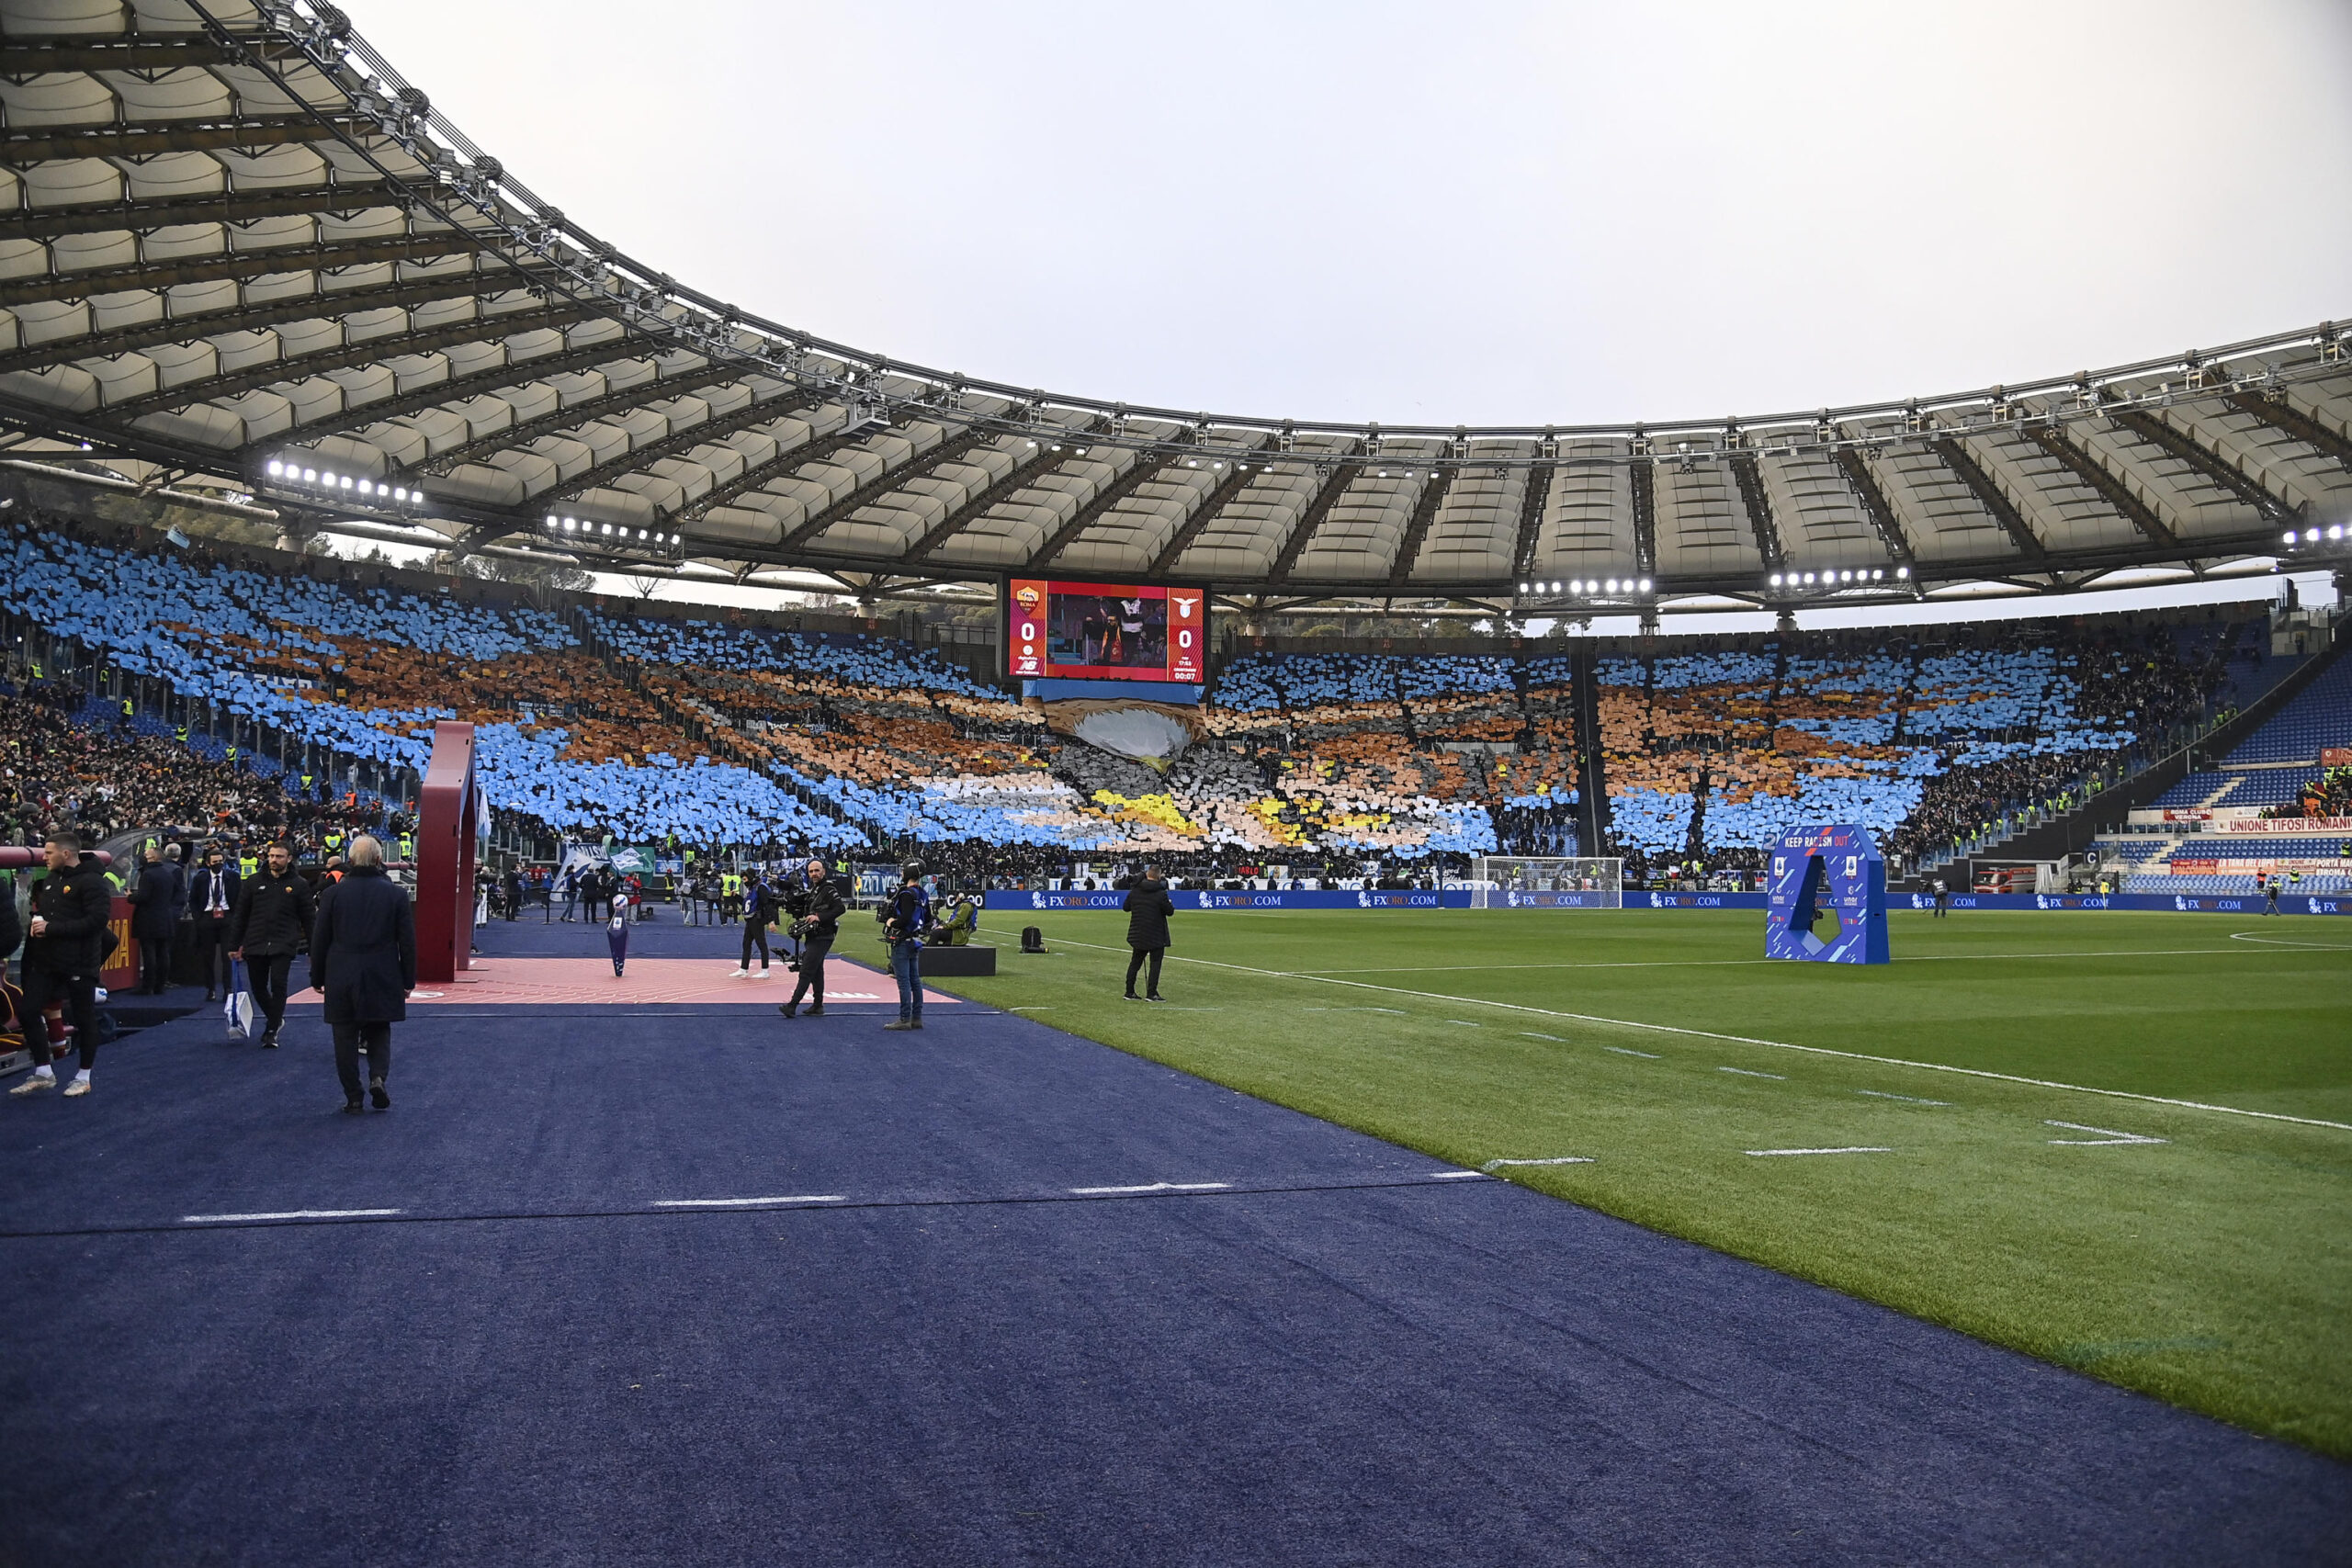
x,y
448,835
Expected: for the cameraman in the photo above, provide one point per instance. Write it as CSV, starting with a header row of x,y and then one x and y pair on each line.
x,y
904,920
817,915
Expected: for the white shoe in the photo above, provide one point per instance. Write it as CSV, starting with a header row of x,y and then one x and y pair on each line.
x,y
760,975
79,1086
737,973
35,1084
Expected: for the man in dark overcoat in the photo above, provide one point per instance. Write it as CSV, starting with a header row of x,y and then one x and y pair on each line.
x,y
362,956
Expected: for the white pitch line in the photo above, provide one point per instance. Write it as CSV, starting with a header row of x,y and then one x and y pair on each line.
x,y
1867,1149
1452,1174
1629,1051
1751,1073
1151,1187
1465,1023
1563,1159
746,1203
2106,1136
290,1214
2258,938
1907,1098
1553,1038
1748,1038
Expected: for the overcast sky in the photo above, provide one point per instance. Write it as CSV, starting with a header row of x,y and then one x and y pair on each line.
x,y
1481,213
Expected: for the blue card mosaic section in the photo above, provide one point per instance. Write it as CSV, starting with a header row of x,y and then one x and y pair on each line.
x,y
1825,899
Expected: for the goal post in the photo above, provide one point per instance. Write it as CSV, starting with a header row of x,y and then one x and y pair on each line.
x,y
1546,882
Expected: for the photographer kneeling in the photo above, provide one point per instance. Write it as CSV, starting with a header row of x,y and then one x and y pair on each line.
x,y
816,920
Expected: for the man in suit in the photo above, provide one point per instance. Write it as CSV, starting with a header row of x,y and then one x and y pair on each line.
x,y
155,902
272,918
211,895
363,957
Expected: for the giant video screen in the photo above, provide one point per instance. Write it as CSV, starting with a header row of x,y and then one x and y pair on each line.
x,y
1104,631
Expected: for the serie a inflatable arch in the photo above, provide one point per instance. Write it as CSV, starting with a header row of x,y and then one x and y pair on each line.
x,y
1828,897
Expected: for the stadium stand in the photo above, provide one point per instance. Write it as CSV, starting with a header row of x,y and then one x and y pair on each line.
x,y
657,728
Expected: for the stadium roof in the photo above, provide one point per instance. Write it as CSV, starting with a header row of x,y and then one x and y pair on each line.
x,y
236,244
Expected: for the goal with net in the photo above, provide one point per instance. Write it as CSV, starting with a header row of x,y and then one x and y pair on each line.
x,y
1546,882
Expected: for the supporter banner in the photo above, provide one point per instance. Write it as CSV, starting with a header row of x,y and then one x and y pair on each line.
x,y
1698,900
2306,825
2335,757
1187,899
1211,900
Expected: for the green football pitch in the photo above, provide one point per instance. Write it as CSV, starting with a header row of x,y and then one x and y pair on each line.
x,y
2119,1142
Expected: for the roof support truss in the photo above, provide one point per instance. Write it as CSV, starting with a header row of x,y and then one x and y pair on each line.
x,y
1050,457
947,451
1147,468
1335,484
46,223
1531,518
1203,514
1988,496
2157,433
1864,484
240,265
2054,440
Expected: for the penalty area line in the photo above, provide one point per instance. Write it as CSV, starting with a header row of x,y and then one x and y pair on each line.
x,y
1742,1040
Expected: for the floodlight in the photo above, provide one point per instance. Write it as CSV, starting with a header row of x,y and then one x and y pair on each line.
x,y
310,476
276,468
1902,571
2290,535
1776,579
2336,532
1645,585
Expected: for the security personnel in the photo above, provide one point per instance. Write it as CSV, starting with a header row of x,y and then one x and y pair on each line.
x,y
731,896
248,864
408,846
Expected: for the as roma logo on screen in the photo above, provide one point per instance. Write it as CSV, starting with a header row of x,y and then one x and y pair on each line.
x,y
1030,596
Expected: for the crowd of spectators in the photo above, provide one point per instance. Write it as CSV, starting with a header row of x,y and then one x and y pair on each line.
x,y
710,732
62,765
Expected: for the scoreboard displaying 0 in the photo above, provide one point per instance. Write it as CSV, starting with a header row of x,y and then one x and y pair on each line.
x,y
1104,631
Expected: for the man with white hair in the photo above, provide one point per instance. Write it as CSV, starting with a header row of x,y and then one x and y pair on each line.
x,y
362,956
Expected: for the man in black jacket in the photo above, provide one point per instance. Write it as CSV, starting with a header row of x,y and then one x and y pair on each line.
x,y
817,929
271,920
155,897
760,905
1148,907
363,957
72,907
212,894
